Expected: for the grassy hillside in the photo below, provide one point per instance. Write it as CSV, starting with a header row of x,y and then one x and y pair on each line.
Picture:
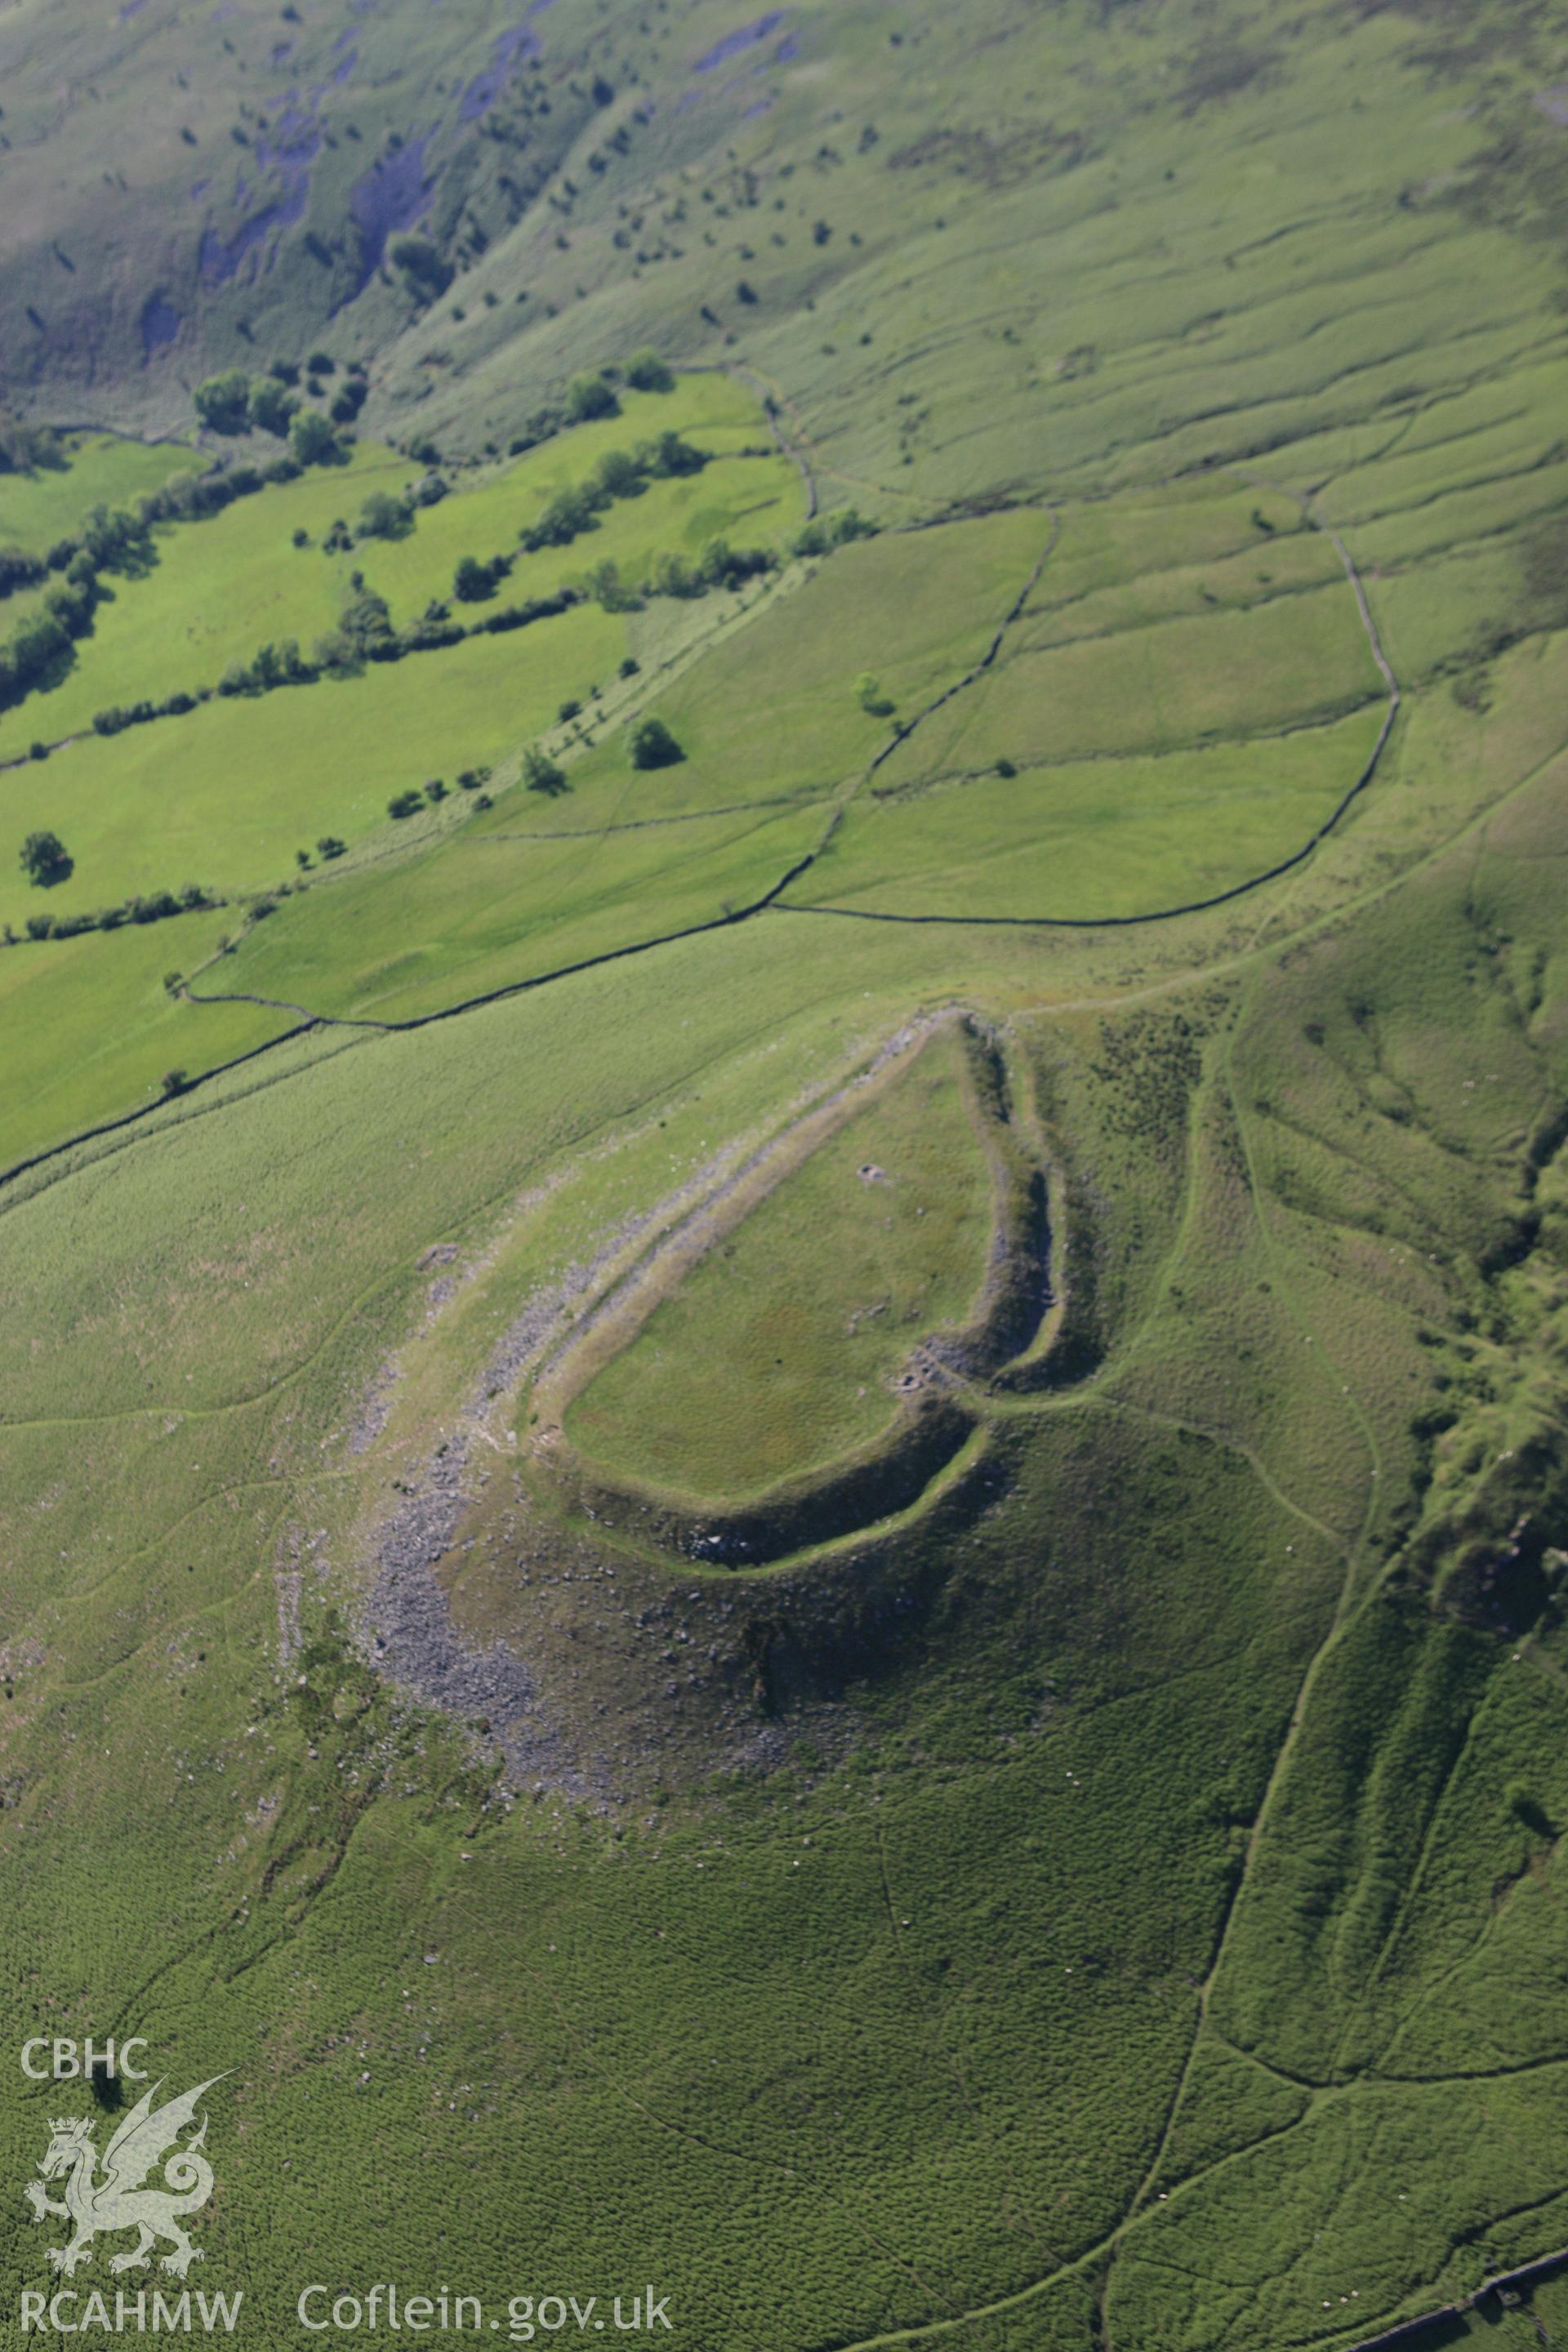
x,y
782,1221
40,504
762,1321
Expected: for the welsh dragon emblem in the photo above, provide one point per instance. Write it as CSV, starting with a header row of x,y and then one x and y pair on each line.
x,y
121,2200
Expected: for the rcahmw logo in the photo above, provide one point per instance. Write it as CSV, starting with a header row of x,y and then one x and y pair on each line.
x,y
126,2193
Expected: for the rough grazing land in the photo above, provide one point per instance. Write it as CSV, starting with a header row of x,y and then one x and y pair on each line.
x,y
784,1213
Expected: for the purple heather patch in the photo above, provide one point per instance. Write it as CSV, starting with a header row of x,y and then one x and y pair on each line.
x,y
743,39
289,151
761,107
389,197
486,87
294,146
198,190
220,257
128,9
291,146
788,48
160,325
345,65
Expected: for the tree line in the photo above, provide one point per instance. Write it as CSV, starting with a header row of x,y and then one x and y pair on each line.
x,y
46,861
116,540
41,639
236,403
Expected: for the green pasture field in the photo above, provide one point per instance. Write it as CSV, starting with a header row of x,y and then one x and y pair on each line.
x,y
1530,502
490,909
1152,356
1051,1764
101,469
216,591
749,501
71,1066
909,614
1077,841
1157,685
1486,438
1148,555
1148,591
223,586
225,795
798,1339
507,898
487,515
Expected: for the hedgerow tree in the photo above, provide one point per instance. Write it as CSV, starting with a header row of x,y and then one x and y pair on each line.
x,y
270,406
383,517
23,447
831,532
365,624
36,644
723,566
646,371
349,400
425,273
19,570
223,402
540,774
671,576
45,859
619,476
588,396
653,745
472,580
670,454
608,588
311,440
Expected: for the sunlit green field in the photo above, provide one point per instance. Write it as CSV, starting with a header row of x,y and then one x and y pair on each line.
x,y
41,506
68,1063
227,794
793,1342
220,588
216,591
